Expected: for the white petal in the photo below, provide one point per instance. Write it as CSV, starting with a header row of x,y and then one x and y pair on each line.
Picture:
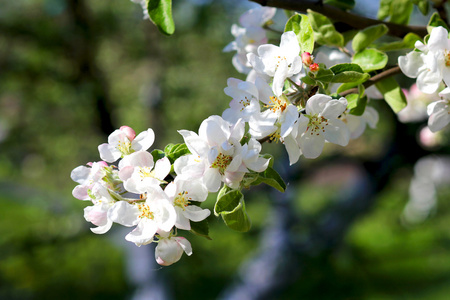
x,y
336,132
124,213
212,179
143,234
311,145
109,153
293,149
334,108
438,120
143,140
196,213
411,63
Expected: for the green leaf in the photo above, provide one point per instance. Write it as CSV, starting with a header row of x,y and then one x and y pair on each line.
x,y
348,73
342,4
174,151
157,154
356,104
408,42
308,80
302,27
366,36
401,11
160,12
272,178
422,5
349,35
323,74
436,21
201,228
324,31
384,9
231,206
370,59
392,93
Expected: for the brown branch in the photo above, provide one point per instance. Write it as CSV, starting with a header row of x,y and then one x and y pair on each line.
x,y
355,21
383,75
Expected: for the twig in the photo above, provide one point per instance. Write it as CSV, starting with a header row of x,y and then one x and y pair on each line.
x,y
355,21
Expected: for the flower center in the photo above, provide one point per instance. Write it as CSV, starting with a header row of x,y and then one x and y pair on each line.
x,y
275,137
145,211
125,147
182,200
244,102
317,124
447,58
276,104
146,172
222,161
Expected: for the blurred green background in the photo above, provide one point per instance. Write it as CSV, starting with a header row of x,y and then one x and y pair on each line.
x,y
72,71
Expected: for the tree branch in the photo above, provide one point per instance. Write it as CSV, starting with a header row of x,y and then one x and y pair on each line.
x,y
355,21
383,75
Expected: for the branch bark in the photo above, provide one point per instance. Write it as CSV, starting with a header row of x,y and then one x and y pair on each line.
x,y
353,20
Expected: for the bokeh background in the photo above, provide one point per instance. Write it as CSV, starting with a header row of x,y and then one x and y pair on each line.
x,y
72,71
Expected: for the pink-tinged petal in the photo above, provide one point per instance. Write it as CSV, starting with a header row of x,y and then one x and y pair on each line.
x,y
336,132
233,179
438,39
80,174
126,172
168,251
214,130
129,132
316,104
293,149
143,234
212,179
184,243
102,229
124,213
438,120
311,145
411,63
196,213
117,136
334,108
182,222
109,153
144,140
81,192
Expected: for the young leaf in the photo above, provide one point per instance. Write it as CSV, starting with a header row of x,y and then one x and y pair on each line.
x,y
272,178
384,10
422,5
356,104
401,11
324,74
174,151
370,59
324,31
348,73
160,12
392,93
231,207
201,228
366,36
157,154
301,26
436,21
408,42
339,68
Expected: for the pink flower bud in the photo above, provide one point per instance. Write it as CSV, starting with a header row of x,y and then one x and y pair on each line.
x,y
314,67
129,132
307,58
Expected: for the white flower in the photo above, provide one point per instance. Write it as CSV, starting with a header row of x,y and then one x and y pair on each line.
x,y
216,153
439,112
123,142
170,249
153,214
87,177
431,64
245,100
320,123
98,213
357,124
181,192
249,36
416,110
278,62
138,171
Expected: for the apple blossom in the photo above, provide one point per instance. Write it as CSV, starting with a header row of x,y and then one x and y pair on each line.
x,y
98,213
357,124
439,112
278,62
320,124
170,248
123,142
245,100
87,177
